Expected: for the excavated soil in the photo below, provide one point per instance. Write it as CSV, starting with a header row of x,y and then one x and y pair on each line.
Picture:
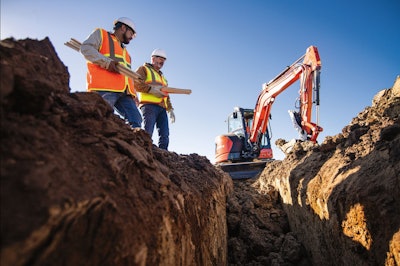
x,y
80,187
342,197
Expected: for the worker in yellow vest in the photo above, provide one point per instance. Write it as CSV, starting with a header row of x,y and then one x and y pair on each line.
x,y
153,102
103,51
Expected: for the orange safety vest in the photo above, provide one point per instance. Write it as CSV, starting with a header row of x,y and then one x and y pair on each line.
x,y
100,79
153,78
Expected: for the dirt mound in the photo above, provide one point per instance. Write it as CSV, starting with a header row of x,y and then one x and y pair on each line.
x,y
343,198
80,187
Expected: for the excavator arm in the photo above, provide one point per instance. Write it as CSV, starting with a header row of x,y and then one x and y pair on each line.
x,y
307,69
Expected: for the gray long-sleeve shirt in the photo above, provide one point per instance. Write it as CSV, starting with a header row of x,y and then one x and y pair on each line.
x,y
90,50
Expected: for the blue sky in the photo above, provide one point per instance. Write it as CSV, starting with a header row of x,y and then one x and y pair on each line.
x,y
225,50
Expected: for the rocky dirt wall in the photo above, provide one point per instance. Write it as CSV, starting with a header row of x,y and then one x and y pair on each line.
x,y
343,198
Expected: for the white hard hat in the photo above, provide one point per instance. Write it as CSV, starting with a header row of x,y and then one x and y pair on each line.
x,y
126,21
159,52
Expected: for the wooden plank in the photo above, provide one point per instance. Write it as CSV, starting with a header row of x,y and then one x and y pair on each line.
x,y
76,45
176,90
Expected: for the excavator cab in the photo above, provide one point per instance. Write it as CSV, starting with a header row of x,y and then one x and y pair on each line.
x,y
234,153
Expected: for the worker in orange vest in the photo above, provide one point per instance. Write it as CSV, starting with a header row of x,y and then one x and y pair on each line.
x,y
153,102
104,51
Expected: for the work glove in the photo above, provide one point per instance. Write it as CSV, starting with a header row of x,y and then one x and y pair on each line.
x,y
171,116
112,67
156,91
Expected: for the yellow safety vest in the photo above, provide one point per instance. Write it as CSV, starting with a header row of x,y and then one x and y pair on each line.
x,y
156,79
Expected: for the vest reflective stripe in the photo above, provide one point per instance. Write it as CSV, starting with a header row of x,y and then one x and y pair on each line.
x,y
153,78
100,79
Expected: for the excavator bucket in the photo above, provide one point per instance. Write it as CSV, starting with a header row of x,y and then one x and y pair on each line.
x,y
244,170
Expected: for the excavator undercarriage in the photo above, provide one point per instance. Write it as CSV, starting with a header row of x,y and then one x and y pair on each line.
x,y
244,170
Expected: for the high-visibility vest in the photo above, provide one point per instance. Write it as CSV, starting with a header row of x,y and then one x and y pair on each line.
x,y
156,79
100,79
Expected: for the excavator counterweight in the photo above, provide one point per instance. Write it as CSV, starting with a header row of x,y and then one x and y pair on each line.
x,y
245,150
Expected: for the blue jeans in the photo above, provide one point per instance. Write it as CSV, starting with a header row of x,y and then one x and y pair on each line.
x,y
155,115
124,105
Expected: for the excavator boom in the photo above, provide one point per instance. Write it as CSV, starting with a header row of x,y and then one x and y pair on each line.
x,y
311,64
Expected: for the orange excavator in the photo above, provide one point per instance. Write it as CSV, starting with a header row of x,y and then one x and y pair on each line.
x,y
246,149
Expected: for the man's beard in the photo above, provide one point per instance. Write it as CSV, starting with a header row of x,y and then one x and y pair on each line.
x,y
125,40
